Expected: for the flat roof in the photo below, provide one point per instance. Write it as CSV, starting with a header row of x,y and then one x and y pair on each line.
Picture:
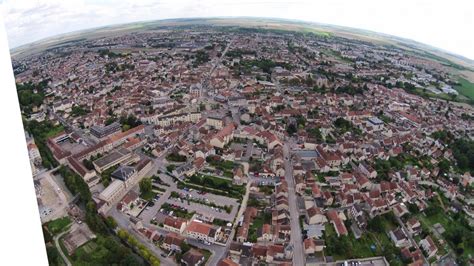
x,y
375,121
111,189
111,157
307,153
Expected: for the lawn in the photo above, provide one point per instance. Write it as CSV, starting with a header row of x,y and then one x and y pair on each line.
x,y
354,248
213,182
257,223
178,212
346,247
458,234
58,225
465,88
102,251
225,166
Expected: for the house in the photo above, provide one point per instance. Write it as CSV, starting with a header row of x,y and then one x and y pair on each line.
x,y
223,137
315,216
399,238
215,121
174,224
259,252
358,215
367,170
265,233
400,210
34,153
227,262
193,258
276,252
319,245
414,226
309,246
172,241
337,223
129,200
202,231
414,256
281,202
429,246
242,233
239,177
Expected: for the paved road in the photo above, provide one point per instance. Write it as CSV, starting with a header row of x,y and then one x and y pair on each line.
x,y
153,248
217,251
296,238
410,237
58,247
206,78
147,215
234,225
123,222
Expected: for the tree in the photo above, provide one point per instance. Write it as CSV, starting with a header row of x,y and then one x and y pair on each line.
x,y
291,129
184,247
376,224
444,166
111,222
53,256
145,186
170,167
88,164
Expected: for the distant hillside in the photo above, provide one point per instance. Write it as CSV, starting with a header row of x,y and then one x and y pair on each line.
x,y
457,62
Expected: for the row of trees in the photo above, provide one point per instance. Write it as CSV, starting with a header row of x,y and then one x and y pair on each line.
x,y
31,95
140,248
108,250
41,131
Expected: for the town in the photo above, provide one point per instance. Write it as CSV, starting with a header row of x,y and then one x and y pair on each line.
x,y
219,145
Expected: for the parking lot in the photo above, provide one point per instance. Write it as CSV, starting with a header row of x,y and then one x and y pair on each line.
x,y
151,211
52,201
204,209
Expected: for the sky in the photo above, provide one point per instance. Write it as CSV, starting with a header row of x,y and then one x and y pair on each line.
x,y
448,25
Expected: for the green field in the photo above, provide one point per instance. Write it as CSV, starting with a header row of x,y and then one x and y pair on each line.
x,y
465,88
58,225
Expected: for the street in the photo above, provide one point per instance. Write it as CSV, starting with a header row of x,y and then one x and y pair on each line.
x,y
296,238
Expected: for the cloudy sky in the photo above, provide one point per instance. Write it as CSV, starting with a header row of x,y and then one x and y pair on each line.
x,y
444,24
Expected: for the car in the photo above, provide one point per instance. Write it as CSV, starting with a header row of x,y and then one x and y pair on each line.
x,y
163,255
